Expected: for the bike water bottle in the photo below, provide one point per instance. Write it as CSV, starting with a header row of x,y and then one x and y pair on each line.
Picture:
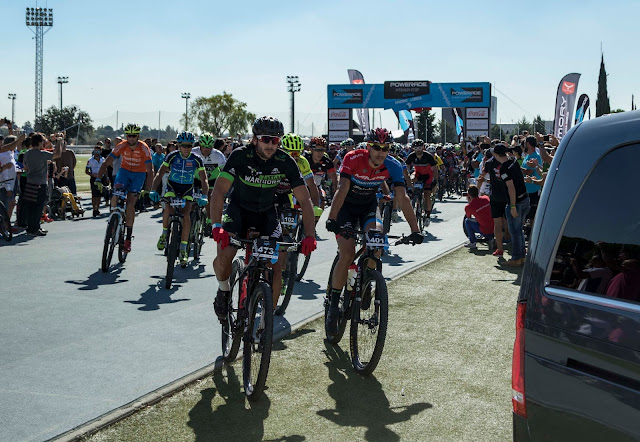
x,y
351,276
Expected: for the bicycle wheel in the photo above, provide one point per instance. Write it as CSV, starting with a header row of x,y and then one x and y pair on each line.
x,y
5,223
303,263
172,253
232,328
344,307
386,218
369,325
419,217
109,243
198,235
258,340
122,254
288,282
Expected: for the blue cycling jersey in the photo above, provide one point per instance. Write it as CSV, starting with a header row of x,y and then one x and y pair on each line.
x,y
183,170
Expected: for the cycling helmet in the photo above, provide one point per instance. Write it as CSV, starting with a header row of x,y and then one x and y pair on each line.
x,y
292,143
185,137
348,143
379,135
395,148
431,149
317,141
417,143
268,126
132,129
206,140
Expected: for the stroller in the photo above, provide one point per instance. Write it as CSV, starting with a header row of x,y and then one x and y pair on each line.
x,y
63,201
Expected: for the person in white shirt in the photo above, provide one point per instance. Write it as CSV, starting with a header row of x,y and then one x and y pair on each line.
x,y
213,159
93,166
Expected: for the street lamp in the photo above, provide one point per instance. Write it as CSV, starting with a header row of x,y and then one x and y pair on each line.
x,y
12,97
61,81
294,86
186,96
39,18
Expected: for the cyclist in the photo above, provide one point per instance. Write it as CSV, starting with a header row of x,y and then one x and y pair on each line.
x,y
426,172
322,168
396,152
251,175
214,160
355,204
183,166
346,146
135,172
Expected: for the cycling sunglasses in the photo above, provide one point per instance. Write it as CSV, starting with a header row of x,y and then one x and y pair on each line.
x,y
318,149
189,145
132,136
268,139
379,147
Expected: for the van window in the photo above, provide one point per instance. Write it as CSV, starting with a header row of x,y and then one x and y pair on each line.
x,y
599,252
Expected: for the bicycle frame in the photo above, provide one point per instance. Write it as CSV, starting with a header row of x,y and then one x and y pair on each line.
x,y
119,211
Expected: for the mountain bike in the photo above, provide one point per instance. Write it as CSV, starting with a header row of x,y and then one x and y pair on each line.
x,y
290,219
5,223
364,300
197,230
301,264
174,236
386,210
250,309
115,231
417,203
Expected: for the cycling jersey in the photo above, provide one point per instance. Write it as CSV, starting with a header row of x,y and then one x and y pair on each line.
x,y
255,180
365,180
133,160
422,164
439,161
182,170
213,163
321,169
284,187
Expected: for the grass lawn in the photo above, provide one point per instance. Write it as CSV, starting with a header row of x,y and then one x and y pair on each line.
x,y
82,179
444,375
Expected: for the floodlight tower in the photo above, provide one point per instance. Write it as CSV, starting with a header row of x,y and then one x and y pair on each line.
x,y
12,97
186,96
61,81
39,18
294,86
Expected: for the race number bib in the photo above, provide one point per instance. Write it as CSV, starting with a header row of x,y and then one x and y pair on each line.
x,y
265,249
376,239
177,202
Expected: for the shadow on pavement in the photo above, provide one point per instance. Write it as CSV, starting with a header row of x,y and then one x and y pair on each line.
x,y
393,260
98,278
281,344
513,270
361,401
307,289
155,295
18,240
236,418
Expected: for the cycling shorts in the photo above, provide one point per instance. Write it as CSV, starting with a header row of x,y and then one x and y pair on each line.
x,y
357,217
237,220
177,190
128,181
426,179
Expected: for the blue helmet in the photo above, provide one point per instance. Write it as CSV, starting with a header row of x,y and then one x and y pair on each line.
x,y
186,137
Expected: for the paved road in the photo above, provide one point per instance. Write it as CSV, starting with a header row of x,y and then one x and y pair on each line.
x,y
76,343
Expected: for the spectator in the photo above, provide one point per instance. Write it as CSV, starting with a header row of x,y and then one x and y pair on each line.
x,y
157,157
65,164
530,164
93,166
8,168
595,277
626,284
35,191
478,219
107,148
518,200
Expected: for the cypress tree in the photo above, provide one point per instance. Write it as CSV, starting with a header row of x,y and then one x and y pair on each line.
x,y
602,100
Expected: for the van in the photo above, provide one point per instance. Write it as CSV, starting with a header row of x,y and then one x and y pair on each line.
x,y
576,357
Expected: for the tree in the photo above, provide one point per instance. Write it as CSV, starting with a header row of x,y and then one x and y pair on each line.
x,y
69,118
27,127
496,132
421,125
523,124
449,131
220,114
431,127
538,125
602,100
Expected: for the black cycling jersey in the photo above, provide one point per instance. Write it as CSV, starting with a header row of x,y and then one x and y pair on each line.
x,y
255,180
319,169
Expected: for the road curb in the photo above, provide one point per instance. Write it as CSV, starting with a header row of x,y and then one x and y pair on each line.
x,y
153,397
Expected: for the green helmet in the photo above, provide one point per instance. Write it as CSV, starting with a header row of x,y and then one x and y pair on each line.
x,y
206,140
292,143
132,129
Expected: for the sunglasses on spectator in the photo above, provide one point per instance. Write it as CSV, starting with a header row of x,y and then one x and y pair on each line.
x,y
379,147
318,149
268,139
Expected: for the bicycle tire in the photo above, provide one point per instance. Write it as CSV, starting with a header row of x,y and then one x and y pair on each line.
x,y
386,218
191,242
363,329
122,255
198,235
300,271
289,276
109,243
5,223
419,217
258,341
232,328
172,253
344,306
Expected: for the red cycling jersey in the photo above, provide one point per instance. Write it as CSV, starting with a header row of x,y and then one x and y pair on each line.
x,y
133,160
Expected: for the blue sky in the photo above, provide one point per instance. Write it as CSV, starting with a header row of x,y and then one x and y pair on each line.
x,y
137,57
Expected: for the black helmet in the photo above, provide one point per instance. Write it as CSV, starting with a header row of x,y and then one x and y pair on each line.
x,y
268,126
417,143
